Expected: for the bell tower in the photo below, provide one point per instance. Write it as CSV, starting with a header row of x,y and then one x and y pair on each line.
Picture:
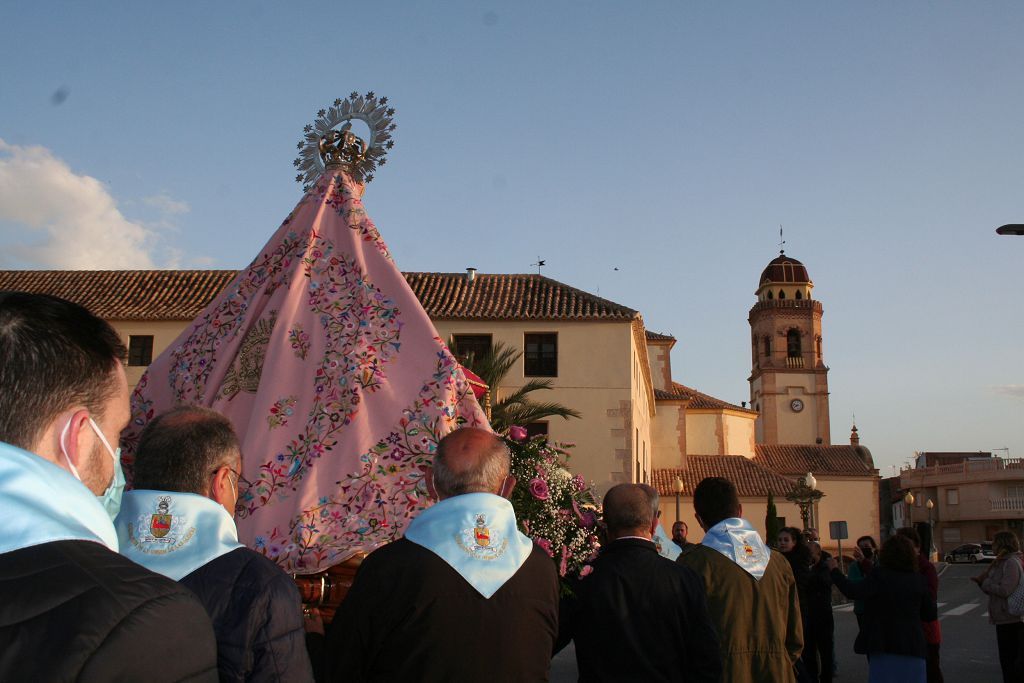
x,y
789,379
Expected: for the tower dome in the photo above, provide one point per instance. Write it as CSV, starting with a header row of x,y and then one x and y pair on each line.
x,y
784,270
784,278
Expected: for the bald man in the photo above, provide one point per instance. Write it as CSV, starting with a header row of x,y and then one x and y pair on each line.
x,y
639,616
464,596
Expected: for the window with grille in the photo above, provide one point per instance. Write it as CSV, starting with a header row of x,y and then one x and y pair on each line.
x,y
470,346
541,356
140,349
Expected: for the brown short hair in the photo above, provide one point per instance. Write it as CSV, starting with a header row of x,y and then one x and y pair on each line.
x,y
898,554
54,355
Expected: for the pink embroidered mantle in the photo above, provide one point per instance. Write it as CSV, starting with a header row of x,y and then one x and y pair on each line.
x,y
334,378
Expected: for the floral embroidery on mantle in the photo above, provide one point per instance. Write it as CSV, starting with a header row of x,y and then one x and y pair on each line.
x,y
353,392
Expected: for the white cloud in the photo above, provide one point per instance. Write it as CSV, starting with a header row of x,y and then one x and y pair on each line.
x,y
1013,390
51,217
165,204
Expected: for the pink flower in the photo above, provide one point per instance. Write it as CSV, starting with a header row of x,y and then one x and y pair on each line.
x,y
563,566
587,569
539,488
545,545
517,433
579,482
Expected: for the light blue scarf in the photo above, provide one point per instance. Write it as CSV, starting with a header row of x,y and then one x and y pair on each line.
x,y
739,541
174,533
666,548
42,503
476,534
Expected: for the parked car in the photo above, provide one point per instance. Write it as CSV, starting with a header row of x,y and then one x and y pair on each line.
x,y
971,552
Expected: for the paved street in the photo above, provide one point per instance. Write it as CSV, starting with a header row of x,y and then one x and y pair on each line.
x,y
968,640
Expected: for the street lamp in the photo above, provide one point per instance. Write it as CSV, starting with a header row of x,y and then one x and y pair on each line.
x,y
1010,229
679,490
805,493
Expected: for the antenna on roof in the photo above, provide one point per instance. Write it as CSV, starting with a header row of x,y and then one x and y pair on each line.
x,y
540,264
782,242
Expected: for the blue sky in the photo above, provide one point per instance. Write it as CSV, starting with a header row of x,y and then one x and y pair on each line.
x,y
668,140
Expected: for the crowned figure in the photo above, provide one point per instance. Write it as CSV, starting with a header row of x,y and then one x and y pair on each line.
x,y
325,362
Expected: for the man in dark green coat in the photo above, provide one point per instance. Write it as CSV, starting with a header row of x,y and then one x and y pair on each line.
x,y
752,595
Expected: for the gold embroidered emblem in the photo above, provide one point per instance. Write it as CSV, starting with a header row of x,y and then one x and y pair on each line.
x,y
244,375
160,522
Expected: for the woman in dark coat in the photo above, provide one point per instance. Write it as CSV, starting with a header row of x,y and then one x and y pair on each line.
x,y
794,548
896,601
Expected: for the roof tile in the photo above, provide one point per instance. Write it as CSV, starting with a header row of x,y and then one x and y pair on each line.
x,y
751,479
799,459
182,294
698,399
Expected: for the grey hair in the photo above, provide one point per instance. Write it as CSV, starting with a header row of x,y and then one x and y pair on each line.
x,y
486,476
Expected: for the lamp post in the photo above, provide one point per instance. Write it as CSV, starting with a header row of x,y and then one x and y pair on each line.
x,y
908,500
1010,229
930,504
679,491
805,493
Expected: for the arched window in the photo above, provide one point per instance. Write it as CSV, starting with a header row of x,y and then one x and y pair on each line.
x,y
793,343
799,294
818,342
770,297
782,294
768,346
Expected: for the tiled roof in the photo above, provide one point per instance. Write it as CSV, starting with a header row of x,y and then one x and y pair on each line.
x,y
751,479
182,294
799,460
657,336
698,399
448,296
126,294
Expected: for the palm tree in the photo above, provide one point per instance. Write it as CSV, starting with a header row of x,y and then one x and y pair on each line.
x,y
516,408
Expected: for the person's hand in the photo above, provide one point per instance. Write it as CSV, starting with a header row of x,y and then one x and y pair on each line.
x,y
857,554
312,620
831,563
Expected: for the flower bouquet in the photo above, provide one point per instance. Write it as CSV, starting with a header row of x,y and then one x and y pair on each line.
x,y
556,509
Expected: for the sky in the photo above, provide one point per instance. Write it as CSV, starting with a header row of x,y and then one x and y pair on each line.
x,y
647,151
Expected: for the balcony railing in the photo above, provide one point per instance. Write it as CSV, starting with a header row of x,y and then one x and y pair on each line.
x,y
969,466
797,362
1015,504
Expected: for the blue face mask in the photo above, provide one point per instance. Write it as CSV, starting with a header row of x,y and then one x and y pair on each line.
x,y
111,498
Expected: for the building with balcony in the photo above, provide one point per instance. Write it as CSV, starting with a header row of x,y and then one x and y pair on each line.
x,y
972,496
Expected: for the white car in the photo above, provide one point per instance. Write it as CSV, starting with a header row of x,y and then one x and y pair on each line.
x,y
971,552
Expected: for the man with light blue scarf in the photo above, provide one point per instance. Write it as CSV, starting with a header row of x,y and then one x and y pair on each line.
x,y
752,595
71,608
464,596
179,522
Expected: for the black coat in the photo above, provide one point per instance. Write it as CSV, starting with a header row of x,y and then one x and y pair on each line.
x,y
77,611
639,616
895,604
257,616
410,617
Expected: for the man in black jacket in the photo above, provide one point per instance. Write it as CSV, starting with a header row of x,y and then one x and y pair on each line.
x,y
637,615
463,596
179,522
71,608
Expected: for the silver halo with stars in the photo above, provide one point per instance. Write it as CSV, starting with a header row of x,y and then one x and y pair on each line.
x,y
367,108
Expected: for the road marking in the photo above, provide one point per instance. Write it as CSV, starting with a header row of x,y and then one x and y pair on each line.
x,y
962,609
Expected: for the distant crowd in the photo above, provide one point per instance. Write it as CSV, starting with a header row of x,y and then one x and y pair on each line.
x,y
152,584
